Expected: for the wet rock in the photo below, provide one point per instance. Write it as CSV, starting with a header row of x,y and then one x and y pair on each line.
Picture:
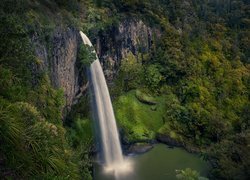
x,y
168,140
139,148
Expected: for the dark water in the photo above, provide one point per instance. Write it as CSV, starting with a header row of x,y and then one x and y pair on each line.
x,y
158,164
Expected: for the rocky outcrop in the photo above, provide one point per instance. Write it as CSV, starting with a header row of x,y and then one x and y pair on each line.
x,y
113,44
64,72
58,57
139,148
163,138
57,54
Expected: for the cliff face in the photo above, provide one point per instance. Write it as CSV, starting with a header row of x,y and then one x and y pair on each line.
x,y
113,44
59,58
63,66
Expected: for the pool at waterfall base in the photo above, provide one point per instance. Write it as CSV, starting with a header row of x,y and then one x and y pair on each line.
x,y
160,163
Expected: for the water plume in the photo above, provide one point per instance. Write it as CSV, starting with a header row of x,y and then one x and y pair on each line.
x,y
110,142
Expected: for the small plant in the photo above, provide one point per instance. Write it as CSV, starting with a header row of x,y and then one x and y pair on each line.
x,y
189,174
87,55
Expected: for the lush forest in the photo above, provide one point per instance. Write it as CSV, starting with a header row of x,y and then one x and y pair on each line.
x,y
195,78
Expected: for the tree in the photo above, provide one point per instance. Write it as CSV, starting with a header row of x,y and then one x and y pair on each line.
x,y
131,72
153,77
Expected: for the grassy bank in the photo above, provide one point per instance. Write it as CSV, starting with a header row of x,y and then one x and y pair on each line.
x,y
140,121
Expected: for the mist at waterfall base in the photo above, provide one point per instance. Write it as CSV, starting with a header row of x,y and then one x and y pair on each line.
x,y
160,163
111,152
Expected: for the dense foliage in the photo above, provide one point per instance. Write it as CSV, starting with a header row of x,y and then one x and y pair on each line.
x,y
193,85
200,67
34,142
86,55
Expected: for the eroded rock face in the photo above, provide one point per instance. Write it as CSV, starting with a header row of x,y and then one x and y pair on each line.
x,y
59,60
131,35
64,72
58,56
168,140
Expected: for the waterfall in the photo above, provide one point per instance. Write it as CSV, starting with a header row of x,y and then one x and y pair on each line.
x,y
110,142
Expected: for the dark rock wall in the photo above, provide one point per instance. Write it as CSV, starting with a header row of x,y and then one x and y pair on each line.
x,y
58,58
64,72
113,44
58,55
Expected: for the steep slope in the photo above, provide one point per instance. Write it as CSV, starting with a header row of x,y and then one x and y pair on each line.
x,y
60,61
39,79
190,56
116,42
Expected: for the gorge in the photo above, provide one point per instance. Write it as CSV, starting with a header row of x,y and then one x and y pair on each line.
x,y
114,164
177,73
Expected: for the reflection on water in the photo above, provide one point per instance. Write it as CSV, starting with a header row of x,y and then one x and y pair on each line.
x,y
158,164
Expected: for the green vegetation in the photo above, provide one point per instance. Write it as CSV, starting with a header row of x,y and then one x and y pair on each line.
x,y
34,142
86,55
130,74
80,135
139,121
200,73
32,135
153,77
232,156
192,85
189,174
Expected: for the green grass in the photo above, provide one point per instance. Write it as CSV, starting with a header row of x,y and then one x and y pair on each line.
x,y
139,120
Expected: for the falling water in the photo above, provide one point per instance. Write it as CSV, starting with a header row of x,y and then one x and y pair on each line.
x,y
110,142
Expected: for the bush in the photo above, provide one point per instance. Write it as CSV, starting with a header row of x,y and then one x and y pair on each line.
x,y
153,78
86,55
130,73
31,146
189,174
